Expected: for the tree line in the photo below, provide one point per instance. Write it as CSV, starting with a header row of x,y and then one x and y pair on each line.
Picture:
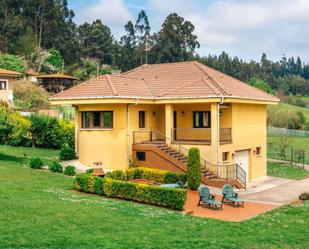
x,y
45,34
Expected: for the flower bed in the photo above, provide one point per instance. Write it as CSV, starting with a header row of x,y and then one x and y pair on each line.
x,y
154,195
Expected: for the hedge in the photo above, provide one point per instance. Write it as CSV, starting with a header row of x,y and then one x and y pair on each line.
x,y
157,175
155,195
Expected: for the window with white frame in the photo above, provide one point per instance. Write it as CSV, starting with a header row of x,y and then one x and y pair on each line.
x,y
3,84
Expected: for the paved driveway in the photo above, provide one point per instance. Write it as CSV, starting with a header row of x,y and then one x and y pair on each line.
x,y
281,194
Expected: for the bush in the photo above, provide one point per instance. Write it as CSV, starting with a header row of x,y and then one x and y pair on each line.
x,y
89,171
55,167
70,170
12,62
67,153
36,163
116,175
19,135
157,175
194,169
304,196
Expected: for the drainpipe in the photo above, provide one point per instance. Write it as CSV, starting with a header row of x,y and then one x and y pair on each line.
x,y
128,134
218,134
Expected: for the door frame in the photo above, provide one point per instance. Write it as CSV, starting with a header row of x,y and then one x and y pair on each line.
x,y
248,172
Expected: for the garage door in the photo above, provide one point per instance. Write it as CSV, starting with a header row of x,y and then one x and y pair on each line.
x,y
242,159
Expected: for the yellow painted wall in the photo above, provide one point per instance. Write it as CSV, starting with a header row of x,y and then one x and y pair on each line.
x,y
112,147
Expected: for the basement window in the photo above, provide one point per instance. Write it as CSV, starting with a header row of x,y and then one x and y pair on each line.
x,y
225,156
141,155
258,151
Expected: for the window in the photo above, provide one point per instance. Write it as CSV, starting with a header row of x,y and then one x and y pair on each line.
x,y
201,119
141,119
141,155
3,85
97,119
225,156
258,151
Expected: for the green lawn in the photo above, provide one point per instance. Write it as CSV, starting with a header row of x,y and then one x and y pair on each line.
x,y
286,171
39,209
296,142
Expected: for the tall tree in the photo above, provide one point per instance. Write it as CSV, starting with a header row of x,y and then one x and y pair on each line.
x,y
97,41
175,41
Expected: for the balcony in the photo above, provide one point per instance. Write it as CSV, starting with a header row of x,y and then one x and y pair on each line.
x,y
182,136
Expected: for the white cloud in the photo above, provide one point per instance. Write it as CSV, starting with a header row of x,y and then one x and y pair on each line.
x,y
113,13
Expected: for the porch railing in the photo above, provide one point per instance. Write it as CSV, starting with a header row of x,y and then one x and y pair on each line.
x,y
199,135
221,171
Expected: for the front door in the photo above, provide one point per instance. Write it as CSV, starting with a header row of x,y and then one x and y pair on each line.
x,y
242,159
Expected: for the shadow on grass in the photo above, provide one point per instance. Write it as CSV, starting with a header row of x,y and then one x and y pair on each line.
x,y
15,159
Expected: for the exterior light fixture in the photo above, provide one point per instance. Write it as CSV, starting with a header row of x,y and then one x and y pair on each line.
x,y
183,113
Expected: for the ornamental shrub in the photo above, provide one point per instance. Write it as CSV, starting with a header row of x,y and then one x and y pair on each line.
x,y
36,163
116,175
70,170
304,196
19,135
194,168
157,175
55,167
89,171
67,153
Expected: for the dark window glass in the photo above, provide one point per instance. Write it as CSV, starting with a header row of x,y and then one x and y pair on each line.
x,y
141,119
2,85
201,119
108,119
258,151
86,119
141,155
96,119
225,156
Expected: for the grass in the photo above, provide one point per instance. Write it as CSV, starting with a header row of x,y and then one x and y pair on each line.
x,y
39,209
296,142
286,171
286,107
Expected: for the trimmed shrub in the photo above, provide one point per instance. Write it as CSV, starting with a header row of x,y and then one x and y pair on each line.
x,y
70,170
67,153
116,175
55,167
194,169
89,171
157,175
155,195
36,163
304,196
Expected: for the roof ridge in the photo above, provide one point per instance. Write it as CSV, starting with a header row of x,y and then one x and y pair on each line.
x,y
149,88
211,86
215,83
181,87
111,84
239,81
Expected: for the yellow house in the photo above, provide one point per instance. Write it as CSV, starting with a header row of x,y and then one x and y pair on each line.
x,y
152,115
6,92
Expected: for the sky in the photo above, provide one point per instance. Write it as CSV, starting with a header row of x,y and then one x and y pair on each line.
x,y
243,28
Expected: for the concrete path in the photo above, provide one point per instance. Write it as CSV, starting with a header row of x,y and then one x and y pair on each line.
x,y
281,194
300,165
271,190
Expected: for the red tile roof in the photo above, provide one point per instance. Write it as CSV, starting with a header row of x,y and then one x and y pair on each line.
x,y
164,81
9,73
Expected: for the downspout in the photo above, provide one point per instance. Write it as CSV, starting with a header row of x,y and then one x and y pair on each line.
x,y
218,134
128,134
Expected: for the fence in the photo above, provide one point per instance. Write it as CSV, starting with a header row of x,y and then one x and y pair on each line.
x,y
275,131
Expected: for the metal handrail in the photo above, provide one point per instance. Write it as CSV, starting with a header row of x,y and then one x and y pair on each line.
x,y
222,171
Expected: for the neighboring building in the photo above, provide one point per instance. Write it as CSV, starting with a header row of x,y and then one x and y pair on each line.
x,y
6,92
32,75
153,114
55,83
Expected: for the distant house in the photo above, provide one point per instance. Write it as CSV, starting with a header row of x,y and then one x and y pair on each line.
x,y
152,115
32,75
6,92
55,83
